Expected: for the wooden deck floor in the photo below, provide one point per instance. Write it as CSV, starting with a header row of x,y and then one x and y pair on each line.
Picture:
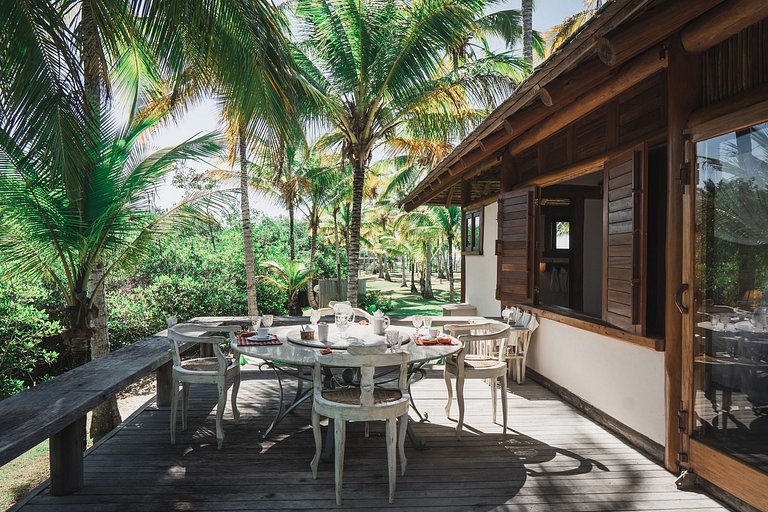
x,y
553,458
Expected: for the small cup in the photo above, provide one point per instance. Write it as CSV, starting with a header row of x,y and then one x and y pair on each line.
x,y
262,332
322,331
433,332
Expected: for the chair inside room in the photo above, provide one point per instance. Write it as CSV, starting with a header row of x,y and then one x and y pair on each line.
x,y
482,357
364,403
216,370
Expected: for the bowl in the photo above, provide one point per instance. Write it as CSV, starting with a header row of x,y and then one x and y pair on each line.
x,y
307,335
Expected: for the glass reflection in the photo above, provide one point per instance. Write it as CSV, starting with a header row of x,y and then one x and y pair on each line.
x,y
731,335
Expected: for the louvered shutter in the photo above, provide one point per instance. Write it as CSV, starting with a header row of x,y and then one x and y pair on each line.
x,y
625,205
515,246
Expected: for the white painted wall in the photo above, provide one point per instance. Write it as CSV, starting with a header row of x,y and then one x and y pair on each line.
x,y
623,380
481,269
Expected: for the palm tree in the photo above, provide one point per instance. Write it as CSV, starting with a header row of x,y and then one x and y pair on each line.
x,y
290,276
377,66
49,227
448,219
557,35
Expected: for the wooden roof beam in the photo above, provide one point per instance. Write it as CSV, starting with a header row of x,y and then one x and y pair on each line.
x,y
634,72
652,27
721,23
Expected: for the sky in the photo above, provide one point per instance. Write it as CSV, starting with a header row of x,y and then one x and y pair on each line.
x,y
204,117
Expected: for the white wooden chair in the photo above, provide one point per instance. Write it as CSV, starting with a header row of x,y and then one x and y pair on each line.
x,y
482,357
212,370
366,403
517,349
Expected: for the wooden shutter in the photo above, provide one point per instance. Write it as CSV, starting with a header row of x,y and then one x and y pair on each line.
x,y
625,205
515,246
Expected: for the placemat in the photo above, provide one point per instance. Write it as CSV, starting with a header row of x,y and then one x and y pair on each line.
x,y
440,340
243,341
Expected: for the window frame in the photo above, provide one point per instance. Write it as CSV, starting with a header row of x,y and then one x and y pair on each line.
x,y
469,245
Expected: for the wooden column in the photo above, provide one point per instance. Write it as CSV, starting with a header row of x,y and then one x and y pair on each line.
x,y
508,177
66,458
164,384
684,92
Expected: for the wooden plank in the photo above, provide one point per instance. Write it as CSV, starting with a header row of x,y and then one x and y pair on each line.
x,y
721,23
139,468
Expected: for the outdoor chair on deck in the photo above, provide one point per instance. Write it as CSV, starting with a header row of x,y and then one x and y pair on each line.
x,y
520,339
211,370
364,403
482,357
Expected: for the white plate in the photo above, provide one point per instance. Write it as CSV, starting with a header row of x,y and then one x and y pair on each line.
x,y
259,338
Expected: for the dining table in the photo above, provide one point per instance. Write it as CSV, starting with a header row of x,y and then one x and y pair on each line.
x,y
288,355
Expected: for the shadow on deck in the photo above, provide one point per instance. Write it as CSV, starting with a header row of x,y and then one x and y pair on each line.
x,y
552,458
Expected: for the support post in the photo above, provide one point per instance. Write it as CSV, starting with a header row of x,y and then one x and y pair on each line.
x,y
684,92
66,458
164,384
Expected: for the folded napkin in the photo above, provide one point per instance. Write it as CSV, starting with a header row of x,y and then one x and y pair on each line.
x,y
440,340
243,341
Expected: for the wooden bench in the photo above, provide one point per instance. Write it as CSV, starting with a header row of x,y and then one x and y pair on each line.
x,y
57,408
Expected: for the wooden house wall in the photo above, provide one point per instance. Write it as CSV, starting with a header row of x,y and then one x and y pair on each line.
x,y
736,65
632,117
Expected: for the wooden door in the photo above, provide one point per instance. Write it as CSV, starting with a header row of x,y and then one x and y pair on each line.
x,y
515,246
724,409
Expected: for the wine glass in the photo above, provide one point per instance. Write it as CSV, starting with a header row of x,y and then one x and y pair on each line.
x,y
417,320
314,316
255,322
342,324
267,320
427,321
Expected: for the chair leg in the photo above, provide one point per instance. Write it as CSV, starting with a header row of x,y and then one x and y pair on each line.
x,y
401,442
492,383
521,373
503,402
220,412
340,432
184,405
318,443
460,400
235,389
391,458
447,376
367,429
174,407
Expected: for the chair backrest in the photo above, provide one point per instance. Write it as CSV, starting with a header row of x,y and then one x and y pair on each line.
x,y
322,311
362,313
171,321
183,333
367,365
334,302
492,341
478,328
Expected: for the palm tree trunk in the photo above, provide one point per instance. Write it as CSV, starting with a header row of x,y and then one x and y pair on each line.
x,y
404,282
427,292
413,272
312,254
338,254
291,235
451,285
358,180
385,263
245,213
527,12
106,416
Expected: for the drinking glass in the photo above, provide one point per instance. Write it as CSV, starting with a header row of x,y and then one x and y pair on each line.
x,y
427,320
342,324
417,321
314,316
255,322
267,320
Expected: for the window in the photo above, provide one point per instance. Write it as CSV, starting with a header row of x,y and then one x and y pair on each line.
x,y
472,232
581,246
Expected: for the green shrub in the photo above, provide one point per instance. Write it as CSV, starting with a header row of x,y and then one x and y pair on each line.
x,y
26,336
375,299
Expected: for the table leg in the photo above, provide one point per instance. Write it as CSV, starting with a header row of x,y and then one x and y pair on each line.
x,y
282,411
